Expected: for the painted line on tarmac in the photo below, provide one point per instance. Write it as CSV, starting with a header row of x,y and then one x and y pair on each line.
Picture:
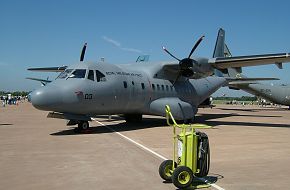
x,y
152,152
136,143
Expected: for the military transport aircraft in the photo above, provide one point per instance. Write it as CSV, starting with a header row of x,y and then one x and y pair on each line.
x,y
87,89
278,94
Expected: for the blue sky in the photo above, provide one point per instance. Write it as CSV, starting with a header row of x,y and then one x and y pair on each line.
x,y
51,33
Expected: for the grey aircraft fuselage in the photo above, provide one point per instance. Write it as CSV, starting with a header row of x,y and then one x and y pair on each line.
x,y
128,89
277,94
87,89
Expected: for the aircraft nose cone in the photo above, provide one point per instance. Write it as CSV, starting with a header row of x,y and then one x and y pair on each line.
x,y
45,98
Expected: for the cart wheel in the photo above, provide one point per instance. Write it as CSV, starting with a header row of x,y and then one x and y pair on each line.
x,y
182,177
165,170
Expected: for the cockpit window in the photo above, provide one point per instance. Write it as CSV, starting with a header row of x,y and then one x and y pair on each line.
x,y
78,73
64,74
91,75
100,76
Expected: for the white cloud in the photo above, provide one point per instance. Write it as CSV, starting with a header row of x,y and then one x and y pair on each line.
x,y
118,44
132,50
110,40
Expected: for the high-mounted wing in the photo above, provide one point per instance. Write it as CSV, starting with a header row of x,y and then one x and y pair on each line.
x,y
253,60
48,69
42,81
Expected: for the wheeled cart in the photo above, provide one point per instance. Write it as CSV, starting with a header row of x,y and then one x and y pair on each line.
x,y
191,154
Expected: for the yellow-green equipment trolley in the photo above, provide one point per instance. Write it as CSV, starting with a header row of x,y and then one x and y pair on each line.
x,y
191,154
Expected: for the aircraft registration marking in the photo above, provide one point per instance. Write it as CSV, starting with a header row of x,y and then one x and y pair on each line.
x,y
123,73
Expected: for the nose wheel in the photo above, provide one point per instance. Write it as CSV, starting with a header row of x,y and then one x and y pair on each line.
x,y
83,126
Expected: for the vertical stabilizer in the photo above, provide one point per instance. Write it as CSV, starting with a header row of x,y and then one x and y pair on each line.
x,y
220,44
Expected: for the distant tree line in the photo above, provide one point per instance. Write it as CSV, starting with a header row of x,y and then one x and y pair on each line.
x,y
243,98
16,93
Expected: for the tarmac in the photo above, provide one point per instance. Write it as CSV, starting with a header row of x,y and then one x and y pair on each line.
x,y
250,149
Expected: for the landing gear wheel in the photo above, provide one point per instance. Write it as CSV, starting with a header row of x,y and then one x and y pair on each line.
x,y
165,170
83,125
182,177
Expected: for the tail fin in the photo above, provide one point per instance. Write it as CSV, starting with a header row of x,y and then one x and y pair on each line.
x,y
219,51
220,44
233,75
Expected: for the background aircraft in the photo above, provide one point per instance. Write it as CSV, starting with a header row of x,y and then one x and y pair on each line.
x,y
278,94
87,89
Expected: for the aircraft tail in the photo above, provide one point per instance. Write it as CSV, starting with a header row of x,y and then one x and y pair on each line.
x,y
222,50
220,44
234,76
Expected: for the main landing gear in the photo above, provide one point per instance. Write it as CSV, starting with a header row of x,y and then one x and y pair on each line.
x,y
83,126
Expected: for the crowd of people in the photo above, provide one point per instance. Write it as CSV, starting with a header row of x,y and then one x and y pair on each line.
x,y
11,100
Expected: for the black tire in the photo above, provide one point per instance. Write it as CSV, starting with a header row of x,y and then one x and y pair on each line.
x,y
182,177
83,125
165,170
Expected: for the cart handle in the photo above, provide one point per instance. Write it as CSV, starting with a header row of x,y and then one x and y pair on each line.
x,y
169,117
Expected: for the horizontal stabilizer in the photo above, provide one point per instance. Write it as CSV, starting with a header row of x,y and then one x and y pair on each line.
x,y
237,81
48,69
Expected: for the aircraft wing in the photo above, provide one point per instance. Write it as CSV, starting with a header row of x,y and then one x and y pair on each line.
x,y
40,80
48,69
253,60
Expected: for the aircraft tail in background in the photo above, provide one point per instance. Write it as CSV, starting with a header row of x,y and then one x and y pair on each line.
x,y
234,76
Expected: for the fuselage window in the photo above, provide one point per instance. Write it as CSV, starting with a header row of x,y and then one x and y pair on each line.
x,y
153,86
78,73
158,87
133,83
167,88
143,86
64,74
162,87
125,84
91,75
100,76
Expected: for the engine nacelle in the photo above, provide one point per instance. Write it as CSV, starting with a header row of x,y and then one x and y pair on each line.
x,y
196,68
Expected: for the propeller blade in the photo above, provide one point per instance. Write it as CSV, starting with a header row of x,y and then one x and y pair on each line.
x,y
83,52
170,53
195,46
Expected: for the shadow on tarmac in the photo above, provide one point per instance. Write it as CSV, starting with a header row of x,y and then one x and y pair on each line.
x,y
146,123
206,117
161,122
3,124
254,110
210,179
